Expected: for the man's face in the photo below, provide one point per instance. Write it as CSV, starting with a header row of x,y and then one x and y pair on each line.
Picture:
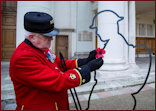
x,y
42,42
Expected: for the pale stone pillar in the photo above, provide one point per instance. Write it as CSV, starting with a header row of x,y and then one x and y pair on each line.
x,y
132,31
114,59
22,8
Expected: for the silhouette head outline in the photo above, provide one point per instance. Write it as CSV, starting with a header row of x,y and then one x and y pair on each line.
x,y
96,28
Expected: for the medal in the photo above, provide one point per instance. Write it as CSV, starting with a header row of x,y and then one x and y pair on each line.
x,y
49,55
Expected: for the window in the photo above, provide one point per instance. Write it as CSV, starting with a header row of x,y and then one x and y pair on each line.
x,y
150,30
142,29
145,30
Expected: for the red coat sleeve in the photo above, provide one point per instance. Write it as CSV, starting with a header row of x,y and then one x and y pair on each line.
x,y
28,70
71,64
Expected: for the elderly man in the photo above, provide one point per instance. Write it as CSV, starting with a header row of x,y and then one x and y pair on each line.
x,y
38,79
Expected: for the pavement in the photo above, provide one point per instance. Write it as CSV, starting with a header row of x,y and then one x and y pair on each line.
x,y
121,101
109,94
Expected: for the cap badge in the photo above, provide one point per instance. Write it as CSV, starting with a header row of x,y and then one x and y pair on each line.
x,y
51,21
72,76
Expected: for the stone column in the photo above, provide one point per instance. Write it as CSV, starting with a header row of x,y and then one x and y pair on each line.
x,y
114,59
132,36
22,8
132,31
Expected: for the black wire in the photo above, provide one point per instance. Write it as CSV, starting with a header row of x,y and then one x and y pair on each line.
x,y
62,59
74,99
150,64
73,88
92,90
106,41
77,99
65,69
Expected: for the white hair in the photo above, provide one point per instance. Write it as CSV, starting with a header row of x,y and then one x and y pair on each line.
x,y
27,33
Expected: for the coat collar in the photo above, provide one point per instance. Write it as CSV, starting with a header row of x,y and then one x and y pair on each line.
x,y
29,43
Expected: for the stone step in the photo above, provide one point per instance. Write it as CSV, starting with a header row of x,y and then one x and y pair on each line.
x,y
115,83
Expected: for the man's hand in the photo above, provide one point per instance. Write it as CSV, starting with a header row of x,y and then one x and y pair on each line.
x,y
84,61
95,64
91,55
85,70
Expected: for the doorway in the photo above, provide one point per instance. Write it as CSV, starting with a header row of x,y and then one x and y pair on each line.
x,y
61,45
8,29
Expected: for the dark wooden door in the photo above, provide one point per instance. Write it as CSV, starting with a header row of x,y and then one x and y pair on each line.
x,y
62,45
8,29
149,42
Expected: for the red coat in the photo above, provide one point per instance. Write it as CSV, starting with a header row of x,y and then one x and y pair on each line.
x,y
38,83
